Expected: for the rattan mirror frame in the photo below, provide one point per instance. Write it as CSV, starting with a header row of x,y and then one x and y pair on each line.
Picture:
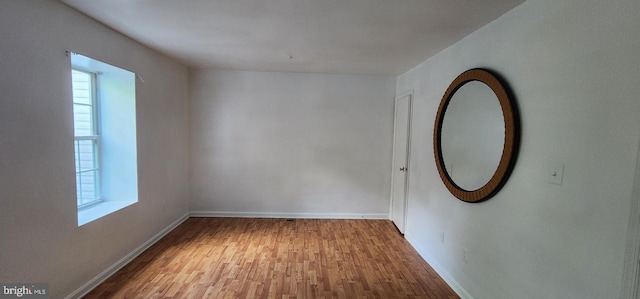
x,y
511,141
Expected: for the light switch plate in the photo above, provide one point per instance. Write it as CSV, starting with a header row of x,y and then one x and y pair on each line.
x,y
556,173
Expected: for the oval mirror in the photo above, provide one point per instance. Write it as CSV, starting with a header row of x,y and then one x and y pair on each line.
x,y
475,136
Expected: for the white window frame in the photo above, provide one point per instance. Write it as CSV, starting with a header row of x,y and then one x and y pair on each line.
x,y
95,137
115,136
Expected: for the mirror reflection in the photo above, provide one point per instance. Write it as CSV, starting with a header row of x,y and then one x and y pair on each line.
x,y
473,135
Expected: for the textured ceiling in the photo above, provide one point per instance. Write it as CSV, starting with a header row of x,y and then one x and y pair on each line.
x,y
377,37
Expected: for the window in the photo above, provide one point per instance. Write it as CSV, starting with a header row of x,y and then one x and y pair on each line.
x,y
105,143
86,137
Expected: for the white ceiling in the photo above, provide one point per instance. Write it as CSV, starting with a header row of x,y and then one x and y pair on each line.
x,y
378,37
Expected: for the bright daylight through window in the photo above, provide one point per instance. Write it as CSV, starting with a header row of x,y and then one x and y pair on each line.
x,y
86,137
104,119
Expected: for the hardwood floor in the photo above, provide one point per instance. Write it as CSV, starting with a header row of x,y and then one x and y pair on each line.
x,y
276,258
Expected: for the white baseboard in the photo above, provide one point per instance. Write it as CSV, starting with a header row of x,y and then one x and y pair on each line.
x,y
100,278
288,215
439,269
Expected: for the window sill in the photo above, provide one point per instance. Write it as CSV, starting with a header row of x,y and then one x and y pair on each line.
x,y
100,210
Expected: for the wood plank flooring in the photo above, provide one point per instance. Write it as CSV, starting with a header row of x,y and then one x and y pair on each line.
x,y
276,258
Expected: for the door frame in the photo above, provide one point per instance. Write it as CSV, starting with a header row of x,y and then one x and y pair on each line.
x,y
631,274
408,93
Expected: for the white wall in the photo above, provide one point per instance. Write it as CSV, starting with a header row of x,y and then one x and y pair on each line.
x,y
290,144
39,237
573,67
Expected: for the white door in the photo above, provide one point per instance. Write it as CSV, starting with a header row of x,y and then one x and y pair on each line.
x,y
401,133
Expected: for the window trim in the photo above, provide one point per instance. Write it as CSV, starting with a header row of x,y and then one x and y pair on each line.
x,y
95,137
116,92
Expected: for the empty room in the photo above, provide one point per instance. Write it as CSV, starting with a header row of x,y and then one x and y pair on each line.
x,y
320,149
